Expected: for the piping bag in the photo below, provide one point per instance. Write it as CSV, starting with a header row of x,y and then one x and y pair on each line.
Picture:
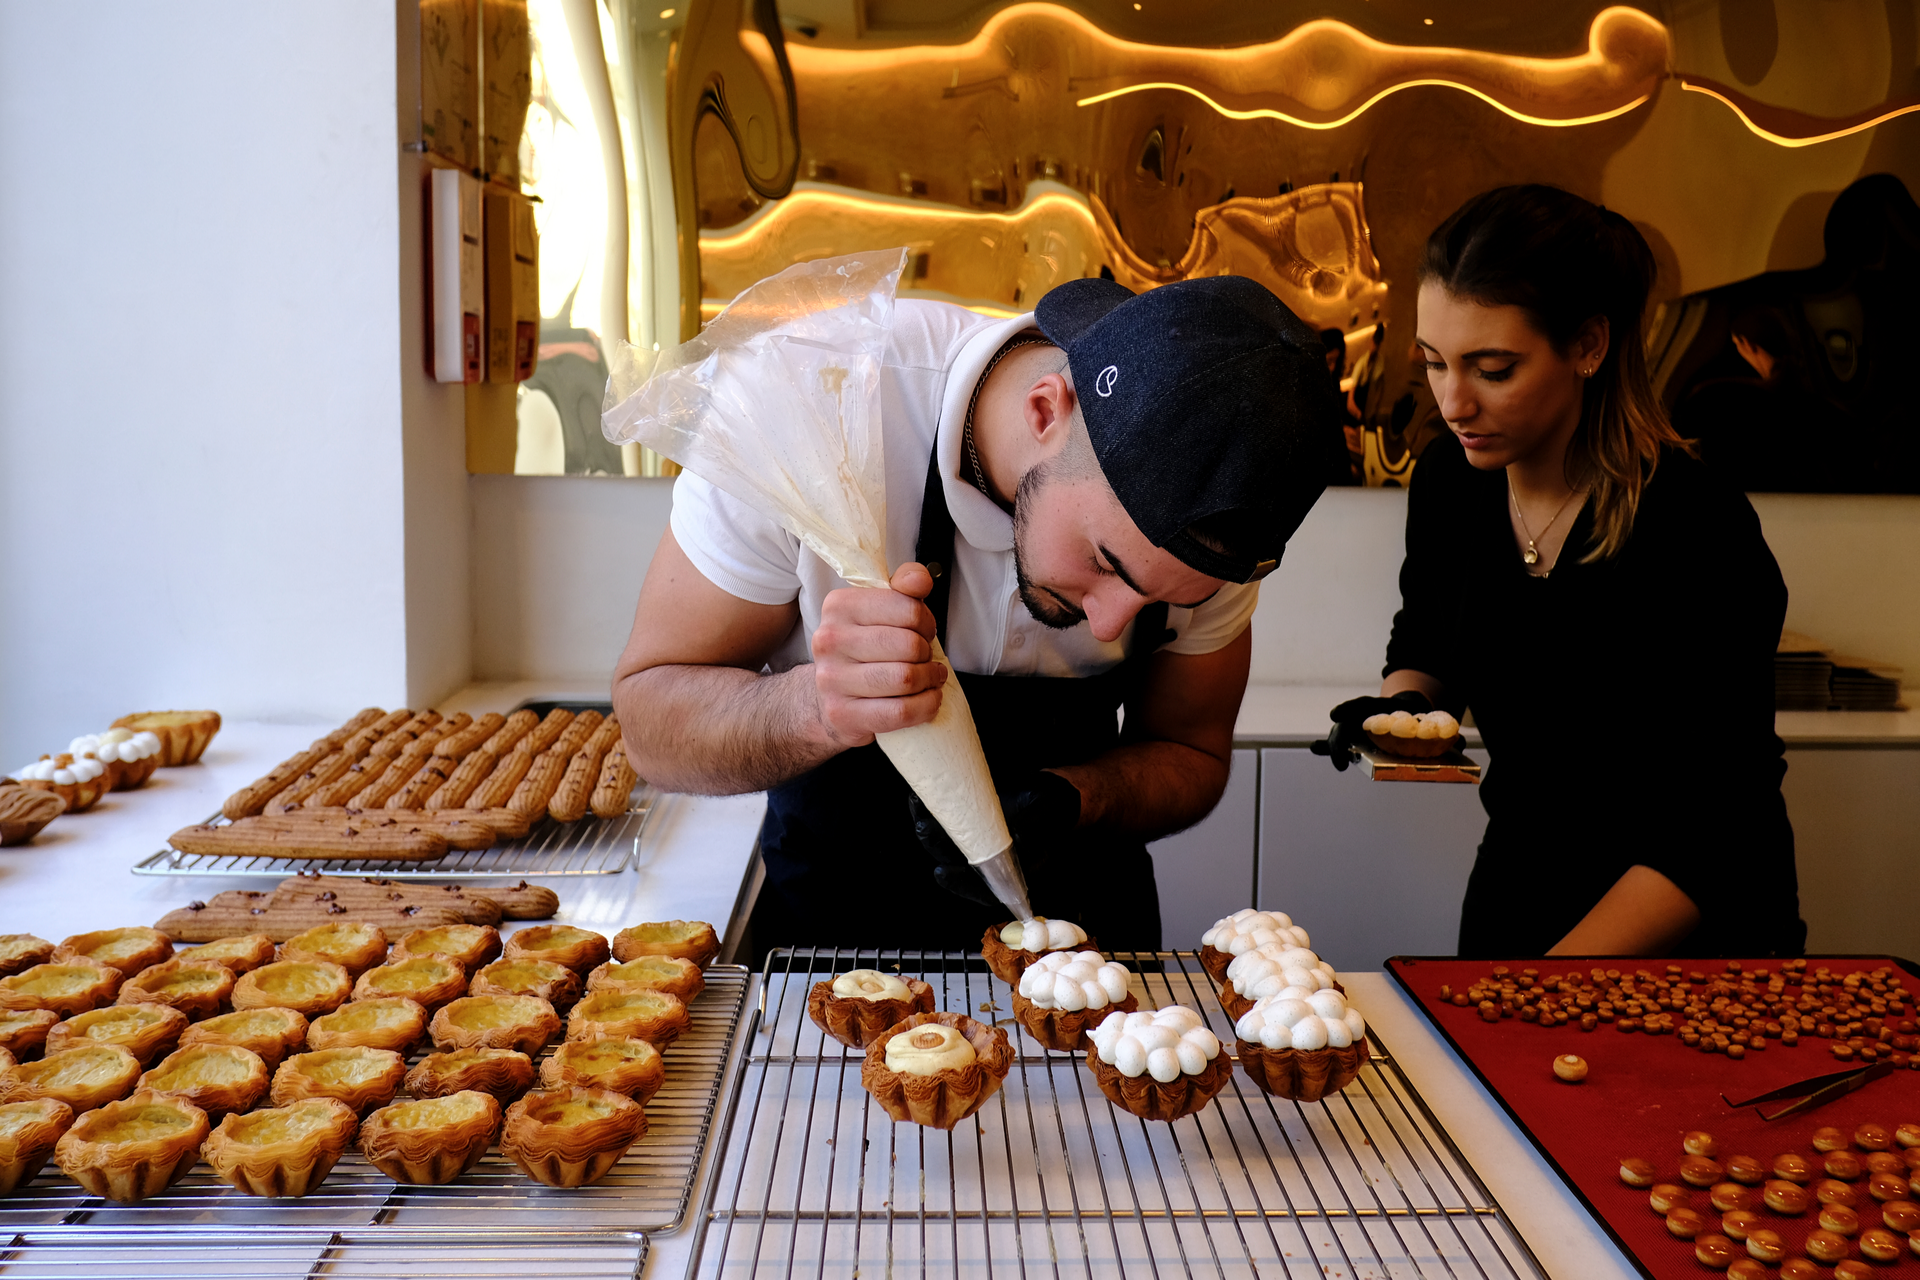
x,y
776,403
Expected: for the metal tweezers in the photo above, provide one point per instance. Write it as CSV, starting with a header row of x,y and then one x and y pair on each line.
x,y
1815,1092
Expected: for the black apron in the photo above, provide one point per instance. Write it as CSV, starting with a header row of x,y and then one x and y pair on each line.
x,y
844,867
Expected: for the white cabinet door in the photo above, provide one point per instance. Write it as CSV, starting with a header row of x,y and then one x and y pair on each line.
x,y
1206,871
1856,837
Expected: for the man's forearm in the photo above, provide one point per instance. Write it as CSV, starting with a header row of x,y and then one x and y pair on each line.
x,y
720,730
1148,789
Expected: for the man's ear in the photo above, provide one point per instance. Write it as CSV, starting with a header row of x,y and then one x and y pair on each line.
x,y
1048,411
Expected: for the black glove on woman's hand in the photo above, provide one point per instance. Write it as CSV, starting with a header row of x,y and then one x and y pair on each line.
x,y
1041,809
1346,737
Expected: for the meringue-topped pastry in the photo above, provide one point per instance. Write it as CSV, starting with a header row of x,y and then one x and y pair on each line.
x,y
1159,1065
1064,993
1302,1043
1267,970
1407,733
1008,949
1243,931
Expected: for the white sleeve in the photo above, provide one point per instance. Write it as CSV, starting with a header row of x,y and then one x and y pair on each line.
x,y
1215,624
738,549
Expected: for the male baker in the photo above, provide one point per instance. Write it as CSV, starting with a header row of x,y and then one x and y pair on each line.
x,y
1081,502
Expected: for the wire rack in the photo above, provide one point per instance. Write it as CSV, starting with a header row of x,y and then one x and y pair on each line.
x,y
648,1190
1049,1179
346,1255
589,847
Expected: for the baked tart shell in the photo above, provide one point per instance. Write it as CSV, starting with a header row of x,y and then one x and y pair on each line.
x,y
601,1016
692,940
288,1167
1150,1099
945,1098
183,734
296,1078
639,1077
581,951
356,952
1302,1075
1066,1029
217,1078
25,813
25,1150
558,985
504,1073
162,984
467,945
1008,963
675,976
398,977
855,1022
391,1022
529,1032
25,1031
106,1074
1215,962
22,951
570,1155
273,1041
66,988
308,987
430,1156
147,1033
241,954
126,1170
128,949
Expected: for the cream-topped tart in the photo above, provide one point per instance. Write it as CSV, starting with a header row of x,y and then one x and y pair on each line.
x,y
936,1069
1160,1064
856,1006
1009,948
1063,994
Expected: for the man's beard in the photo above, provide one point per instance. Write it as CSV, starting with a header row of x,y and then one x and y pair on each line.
x,y
1045,608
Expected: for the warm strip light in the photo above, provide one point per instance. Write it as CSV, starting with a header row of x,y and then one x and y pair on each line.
x,y
790,207
1781,140
1268,113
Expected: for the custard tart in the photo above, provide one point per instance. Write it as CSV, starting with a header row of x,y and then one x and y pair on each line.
x,y
194,987
22,951
85,1077
558,985
686,939
129,950
359,1077
281,1151
354,946
578,949
653,1016
632,1067
271,1033
130,1150
428,981
525,1023
66,989
504,1073
936,1069
467,945
241,954
23,1031
855,1006
387,1022
571,1137
670,974
217,1078
28,1131
305,986
428,1141
145,1030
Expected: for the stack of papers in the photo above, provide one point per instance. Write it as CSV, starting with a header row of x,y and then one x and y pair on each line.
x,y
1810,676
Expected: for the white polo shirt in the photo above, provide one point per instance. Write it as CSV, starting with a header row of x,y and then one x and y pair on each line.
x,y
934,357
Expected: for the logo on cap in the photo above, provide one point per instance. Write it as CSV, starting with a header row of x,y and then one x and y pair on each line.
x,y
1104,383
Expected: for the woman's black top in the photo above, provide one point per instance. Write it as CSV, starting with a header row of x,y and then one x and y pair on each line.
x,y
1626,704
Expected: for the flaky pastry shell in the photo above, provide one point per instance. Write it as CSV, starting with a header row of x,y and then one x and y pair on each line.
x,y
309,987
578,949
84,1077
22,951
855,1021
388,1022
1008,963
467,945
281,1151
272,1033
692,940
130,1150
653,1016
571,1137
131,775
183,734
217,1078
1302,1075
945,1098
243,953
25,813
66,988
504,1073
525,1023
1215,962
428,981
24,1031
145,1030
194,987
430,1141
1066,1029
1150,1099
353,945
628,1066
670,974
558,985
28,1132
129,949
357,1076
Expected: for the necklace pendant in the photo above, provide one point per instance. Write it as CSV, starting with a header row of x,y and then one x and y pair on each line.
x,y
1531,555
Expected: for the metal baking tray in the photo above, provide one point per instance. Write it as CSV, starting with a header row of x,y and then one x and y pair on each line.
x,y
349,1255
1050,1179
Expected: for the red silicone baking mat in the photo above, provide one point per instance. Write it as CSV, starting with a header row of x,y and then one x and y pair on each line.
x,y
1644,1092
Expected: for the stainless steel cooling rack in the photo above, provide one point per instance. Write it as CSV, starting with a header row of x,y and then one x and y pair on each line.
x,y
1049,1179
349,1255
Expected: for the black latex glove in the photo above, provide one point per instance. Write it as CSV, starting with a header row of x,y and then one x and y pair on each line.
x,y
1347,737
1042,809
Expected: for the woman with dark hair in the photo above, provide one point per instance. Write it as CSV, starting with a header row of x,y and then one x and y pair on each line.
x,y
1606,608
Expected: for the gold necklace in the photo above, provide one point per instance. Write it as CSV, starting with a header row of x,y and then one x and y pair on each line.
x,y
966,431
1531,556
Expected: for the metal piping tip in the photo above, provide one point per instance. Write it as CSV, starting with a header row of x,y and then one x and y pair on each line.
x,y
1009,884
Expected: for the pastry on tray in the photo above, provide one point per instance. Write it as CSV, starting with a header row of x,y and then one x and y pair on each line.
x,y
1268,970
129,949
1413,736
358,1076
525,1023
692,940
310,987
936,1069
80,781
84,1077
581,950
147,1031
504,1073
354,946
130,757
429,981
196,987
28,1132
1241,932
386,1022
1009,948
571,1137
670,974
66,989
24,1031
1063,994
1158,1065
130,1150
241,953
183,734
653,1016
429,1141
628,1066
272,1033
281,1151
1301,1044
25,813
467,945
217,1078
20,951
855,1006
558,985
